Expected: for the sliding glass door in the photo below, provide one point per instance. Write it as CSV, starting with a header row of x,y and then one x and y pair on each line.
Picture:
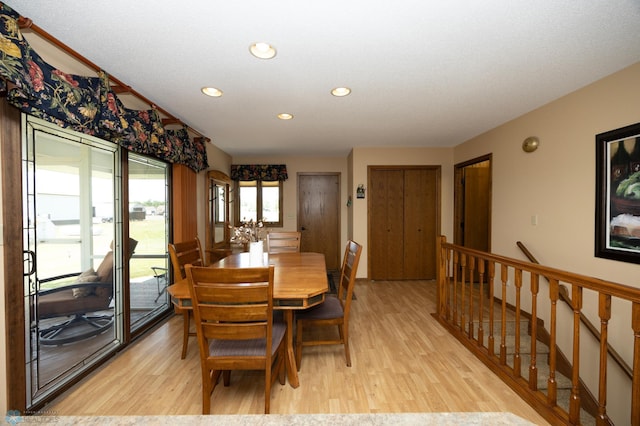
x,y
91,279
149,225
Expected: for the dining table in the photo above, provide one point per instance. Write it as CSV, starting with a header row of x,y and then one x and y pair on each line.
x,y
300,282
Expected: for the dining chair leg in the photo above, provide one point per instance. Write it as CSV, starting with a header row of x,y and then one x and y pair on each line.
x,y
345,339
185,334
267,390
208,384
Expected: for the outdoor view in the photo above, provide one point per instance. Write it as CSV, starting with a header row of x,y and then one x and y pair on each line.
x,y
268,200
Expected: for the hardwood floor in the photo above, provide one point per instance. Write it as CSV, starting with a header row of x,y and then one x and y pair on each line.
x,y
403,361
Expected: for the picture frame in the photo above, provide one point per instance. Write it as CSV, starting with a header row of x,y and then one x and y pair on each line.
x,y
617,218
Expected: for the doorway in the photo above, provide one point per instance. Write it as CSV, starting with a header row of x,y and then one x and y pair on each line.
x,y
472,204
319,215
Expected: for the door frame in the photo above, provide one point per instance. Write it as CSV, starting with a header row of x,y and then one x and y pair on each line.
x,y
458,204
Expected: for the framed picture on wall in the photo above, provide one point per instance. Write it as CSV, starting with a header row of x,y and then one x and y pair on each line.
x,y
618,194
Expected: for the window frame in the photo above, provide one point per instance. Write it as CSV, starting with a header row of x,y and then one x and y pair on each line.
x,y
237,214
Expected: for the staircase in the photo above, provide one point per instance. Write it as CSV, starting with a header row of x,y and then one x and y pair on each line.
x,y
563,383
481,293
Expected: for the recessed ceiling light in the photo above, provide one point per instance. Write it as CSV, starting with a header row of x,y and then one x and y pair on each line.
x,y
340,91
262,50
285,116
212,91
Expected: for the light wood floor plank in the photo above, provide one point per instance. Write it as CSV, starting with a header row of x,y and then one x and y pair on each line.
x,y
402,361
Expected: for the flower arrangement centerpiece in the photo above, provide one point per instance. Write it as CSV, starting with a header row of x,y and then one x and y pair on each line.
x,y
248,232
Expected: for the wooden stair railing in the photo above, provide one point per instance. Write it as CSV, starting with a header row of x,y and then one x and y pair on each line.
x,y
467,280
564,296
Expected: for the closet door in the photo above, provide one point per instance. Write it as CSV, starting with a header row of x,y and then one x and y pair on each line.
x,y
420,223
386,229
403,222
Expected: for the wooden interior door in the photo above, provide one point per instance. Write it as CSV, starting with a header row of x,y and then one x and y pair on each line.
x,y
476,207
386,227
319,215
421,223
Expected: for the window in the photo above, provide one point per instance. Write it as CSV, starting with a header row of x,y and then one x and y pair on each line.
x,y
259,196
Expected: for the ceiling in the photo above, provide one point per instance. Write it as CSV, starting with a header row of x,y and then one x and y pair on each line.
x,y
423,73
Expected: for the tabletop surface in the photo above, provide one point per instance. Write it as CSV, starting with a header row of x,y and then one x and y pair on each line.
x,y
296,275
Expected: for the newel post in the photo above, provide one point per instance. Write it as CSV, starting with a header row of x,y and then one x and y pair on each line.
x,y
440,275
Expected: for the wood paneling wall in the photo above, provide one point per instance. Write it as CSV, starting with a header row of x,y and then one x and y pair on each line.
x,y
13,258
184,203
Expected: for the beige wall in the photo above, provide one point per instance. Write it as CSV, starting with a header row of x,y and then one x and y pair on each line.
x,y
557,182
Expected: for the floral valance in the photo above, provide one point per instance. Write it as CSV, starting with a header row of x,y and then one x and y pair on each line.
x,y
266,172
85,104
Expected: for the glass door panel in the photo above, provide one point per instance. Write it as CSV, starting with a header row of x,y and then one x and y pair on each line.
x,y
149,225
71,235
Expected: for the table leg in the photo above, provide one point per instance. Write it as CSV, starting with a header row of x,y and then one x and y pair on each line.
x,y
292,370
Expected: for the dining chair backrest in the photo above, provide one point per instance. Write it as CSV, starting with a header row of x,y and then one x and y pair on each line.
x,y
185,253
348,273
232,303
334,311
233,313
283,242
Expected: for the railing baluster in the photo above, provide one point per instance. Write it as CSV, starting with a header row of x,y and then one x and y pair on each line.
x,y
480,301
574,400
463,290
552,390
516,355
604,311
533,368
456,268
491,339
472,269
504,277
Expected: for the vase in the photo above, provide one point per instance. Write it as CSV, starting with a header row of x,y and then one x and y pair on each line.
x,y
256,252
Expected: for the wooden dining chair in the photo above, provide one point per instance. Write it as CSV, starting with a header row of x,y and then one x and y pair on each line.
x,y
283,242
334,311
182,254
233,312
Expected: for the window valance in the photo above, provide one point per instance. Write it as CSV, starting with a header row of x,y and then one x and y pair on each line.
x,y
265,172
86,104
